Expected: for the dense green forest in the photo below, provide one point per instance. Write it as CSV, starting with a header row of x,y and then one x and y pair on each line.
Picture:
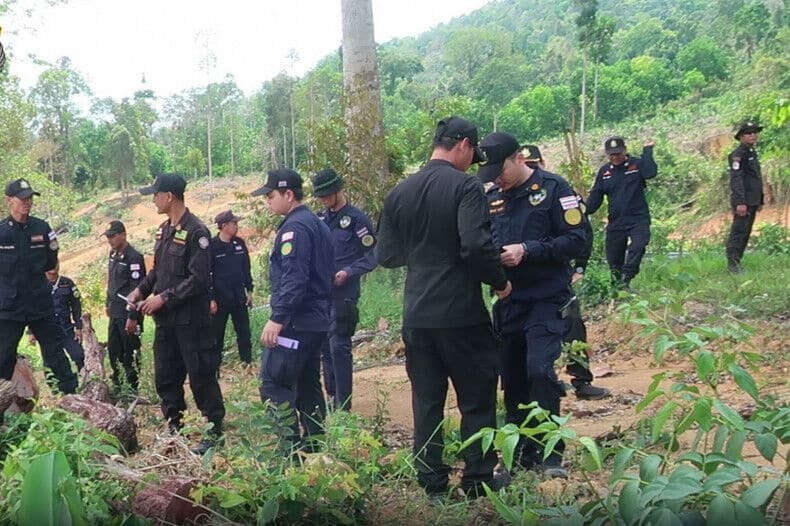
x,y
514,65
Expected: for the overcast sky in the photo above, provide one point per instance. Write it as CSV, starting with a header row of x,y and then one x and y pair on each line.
x,y
114,42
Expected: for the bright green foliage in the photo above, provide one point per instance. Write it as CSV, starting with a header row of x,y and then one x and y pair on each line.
x,y
704,55
49,493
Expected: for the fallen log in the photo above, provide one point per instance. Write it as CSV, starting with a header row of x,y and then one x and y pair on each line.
x,y
21,393
168,502
114,420
93,375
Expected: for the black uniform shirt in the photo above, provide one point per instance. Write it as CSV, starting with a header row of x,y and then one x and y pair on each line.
x,y
544,215
230,271
746,181
624,186
352,233
182,272
27,250
125,271
435,222
67,304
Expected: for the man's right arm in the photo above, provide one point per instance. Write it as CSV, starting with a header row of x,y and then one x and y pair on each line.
x,y
595,199
737,158
474,230
389,248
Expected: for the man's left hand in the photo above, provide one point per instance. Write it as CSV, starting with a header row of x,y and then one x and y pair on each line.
x,y
512,255
650,143
152,304
249,299
576,277
78,335
340,277
270,333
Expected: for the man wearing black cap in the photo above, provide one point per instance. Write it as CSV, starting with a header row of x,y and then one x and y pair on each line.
x,y
232,284
623,181
29,248
435,223
180,281
125,272
301,268
746,184
575,330
538,227
352,233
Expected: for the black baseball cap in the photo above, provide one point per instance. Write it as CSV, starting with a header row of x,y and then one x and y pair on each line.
x,y
280,179
20,188
116,227
747,127
166,183
614,145
326,182
458,128
497,147
227,217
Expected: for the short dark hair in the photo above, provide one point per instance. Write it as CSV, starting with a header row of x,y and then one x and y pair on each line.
x,y
446,143
298,192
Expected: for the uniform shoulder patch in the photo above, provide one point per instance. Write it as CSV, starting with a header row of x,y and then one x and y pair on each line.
x,y
573,216
569,201
736,163
75,291
286,248
287,236
203,242
368,240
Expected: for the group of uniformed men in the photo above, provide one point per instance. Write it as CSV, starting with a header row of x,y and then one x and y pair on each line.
x,y
527,236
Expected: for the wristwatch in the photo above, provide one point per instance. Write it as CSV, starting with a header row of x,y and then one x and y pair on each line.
x,y
579,270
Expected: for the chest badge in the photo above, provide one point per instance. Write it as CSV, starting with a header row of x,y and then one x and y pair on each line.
x,y
180,235
345,221
538,197
535,186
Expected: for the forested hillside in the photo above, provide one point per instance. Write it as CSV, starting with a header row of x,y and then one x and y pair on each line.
x,y
679,70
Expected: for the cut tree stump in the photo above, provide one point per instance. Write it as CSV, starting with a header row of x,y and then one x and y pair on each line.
x,y
93,375
168,502
19,394
113,420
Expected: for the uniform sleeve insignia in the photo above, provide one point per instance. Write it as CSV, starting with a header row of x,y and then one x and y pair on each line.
x,y
134,266
362,231
736,163
287,236
569,202
573,216
135,275
345,221
159,233
52,235
53,245
37,239
538,197
203,242
286,248
75,291
535,186
181,235
368,240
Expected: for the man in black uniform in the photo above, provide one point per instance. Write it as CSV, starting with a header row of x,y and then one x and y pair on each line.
x,y
232,284
68,312
29,248
125,272
746,183
623,181
578,367
352,232
538,227
180,281
435,223
301,267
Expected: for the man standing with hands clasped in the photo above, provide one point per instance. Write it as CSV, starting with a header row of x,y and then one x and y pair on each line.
x,y
435,223
232,285
125,271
